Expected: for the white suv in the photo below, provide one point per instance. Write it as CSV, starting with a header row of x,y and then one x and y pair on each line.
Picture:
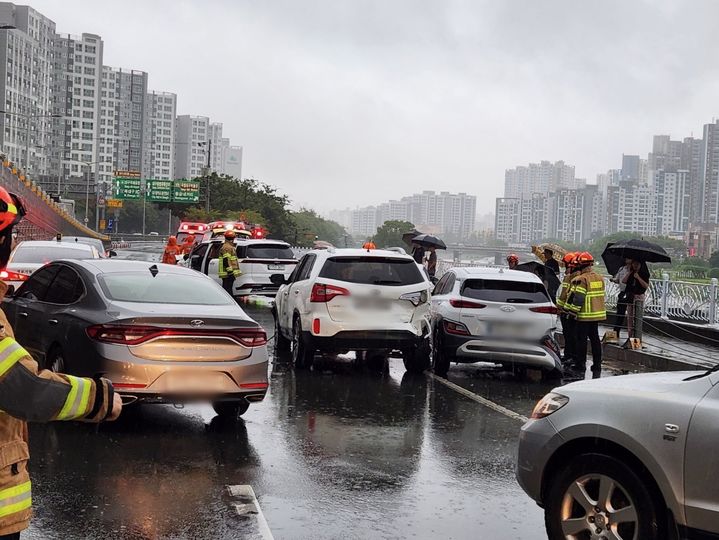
x,y
493,314
339,300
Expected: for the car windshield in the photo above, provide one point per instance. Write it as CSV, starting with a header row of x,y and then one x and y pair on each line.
x,y
505,291
372,270
45,254
164,288
269,251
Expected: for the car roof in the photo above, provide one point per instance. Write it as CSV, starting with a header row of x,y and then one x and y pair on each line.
x,y
357,252
487,272
54,243
111,266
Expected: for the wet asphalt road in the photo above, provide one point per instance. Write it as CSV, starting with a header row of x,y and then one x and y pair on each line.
x,y
332,453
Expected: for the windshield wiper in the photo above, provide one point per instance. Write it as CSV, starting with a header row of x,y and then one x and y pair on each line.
x,y
709,371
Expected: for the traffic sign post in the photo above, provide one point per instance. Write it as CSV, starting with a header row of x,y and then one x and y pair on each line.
x,y
185,191
159,190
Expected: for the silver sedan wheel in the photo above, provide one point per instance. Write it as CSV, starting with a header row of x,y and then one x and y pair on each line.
x,y
598,507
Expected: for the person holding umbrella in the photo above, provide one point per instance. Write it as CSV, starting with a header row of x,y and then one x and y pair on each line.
x,y
550,261
417,253
586,302
620,279
637,283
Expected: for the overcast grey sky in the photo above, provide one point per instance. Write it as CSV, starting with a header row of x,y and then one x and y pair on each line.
x,y
347,102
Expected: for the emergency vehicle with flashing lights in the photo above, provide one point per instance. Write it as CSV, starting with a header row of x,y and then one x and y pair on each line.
x,y
188,228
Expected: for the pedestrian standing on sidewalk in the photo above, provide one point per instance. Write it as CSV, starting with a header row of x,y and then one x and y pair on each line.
x,y
432,262
619,279
586,302
550,261
567,320
637,282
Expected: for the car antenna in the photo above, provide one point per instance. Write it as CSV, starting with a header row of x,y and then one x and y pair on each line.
x,y
154,270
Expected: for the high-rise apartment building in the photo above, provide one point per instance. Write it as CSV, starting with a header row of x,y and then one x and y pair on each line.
x,y
673,195
159,148
506,219
543,177
26,61
709,174
632,207
191,138
233,161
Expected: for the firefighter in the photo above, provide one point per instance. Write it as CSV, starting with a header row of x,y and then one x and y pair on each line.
x,y
187,245
28,394
229,267
172,250
512,261
585,301
567,320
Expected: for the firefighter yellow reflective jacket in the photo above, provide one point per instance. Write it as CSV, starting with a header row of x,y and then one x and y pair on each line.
x,y
228,263
30,395
586,296
564,289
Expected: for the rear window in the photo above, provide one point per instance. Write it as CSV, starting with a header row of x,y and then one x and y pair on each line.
x,y
269,251
372,270
507,292
167,288
37,254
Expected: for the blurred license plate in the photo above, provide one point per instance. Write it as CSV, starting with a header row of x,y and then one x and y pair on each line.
x,y
194,382
276,267
503,329
372,303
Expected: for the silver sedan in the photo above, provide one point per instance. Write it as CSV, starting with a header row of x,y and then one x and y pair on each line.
x,y
631,457
160,333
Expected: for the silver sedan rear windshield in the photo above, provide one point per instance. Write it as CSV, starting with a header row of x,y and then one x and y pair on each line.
x,y
507,292
167,288
372,270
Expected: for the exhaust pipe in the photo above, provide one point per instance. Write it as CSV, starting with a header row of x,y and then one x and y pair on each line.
x,y
253,398
127,399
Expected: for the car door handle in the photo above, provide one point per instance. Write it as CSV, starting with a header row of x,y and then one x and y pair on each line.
x,y
53,321
22,314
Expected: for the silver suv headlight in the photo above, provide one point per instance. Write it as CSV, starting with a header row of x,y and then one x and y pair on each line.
x,y
549,404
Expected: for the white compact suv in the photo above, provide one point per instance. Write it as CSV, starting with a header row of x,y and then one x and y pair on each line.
x,y
493,314
339,300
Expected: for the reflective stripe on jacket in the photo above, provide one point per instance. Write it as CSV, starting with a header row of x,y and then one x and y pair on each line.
x,y
586,297
564,290
28,394
228,263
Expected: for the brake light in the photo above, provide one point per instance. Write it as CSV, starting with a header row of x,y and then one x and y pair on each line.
x,y
552,310
135,335
128,386
316,326
9,275
457,329
466,304
322,292
254,385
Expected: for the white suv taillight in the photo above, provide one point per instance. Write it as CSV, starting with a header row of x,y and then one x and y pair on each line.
x,y
322,292
417,298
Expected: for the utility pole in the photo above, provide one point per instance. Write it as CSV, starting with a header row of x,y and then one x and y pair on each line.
x,y
209,154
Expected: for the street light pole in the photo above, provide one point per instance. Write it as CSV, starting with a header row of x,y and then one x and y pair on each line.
x,y
209,154
87,193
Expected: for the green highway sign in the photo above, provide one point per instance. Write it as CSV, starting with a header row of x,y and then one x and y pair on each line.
x,y
159,190
186,191
127,188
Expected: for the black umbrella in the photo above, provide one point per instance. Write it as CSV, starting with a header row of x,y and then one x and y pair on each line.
x,y
544,273
427,240
612,260
409,235
639,250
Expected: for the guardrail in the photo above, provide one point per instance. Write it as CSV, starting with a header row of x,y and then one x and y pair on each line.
x,y
668,299
45,218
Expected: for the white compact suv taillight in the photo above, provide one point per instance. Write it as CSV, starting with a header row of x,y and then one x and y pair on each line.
x,y
321,292
417,298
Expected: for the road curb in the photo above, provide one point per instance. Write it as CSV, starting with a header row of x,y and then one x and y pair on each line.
x,y
655,362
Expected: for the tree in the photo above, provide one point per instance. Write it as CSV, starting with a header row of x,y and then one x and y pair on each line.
x,y
390,233
714,260
308,226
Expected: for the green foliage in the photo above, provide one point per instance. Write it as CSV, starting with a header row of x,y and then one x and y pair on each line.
x,y
695,272
695,261
714,260
308,226
714,272
390,233
130,219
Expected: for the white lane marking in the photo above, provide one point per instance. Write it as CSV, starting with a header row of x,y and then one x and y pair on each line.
x,y
479,399
250,505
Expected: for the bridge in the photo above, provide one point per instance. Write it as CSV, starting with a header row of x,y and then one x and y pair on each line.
x,y
45,218
460,252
